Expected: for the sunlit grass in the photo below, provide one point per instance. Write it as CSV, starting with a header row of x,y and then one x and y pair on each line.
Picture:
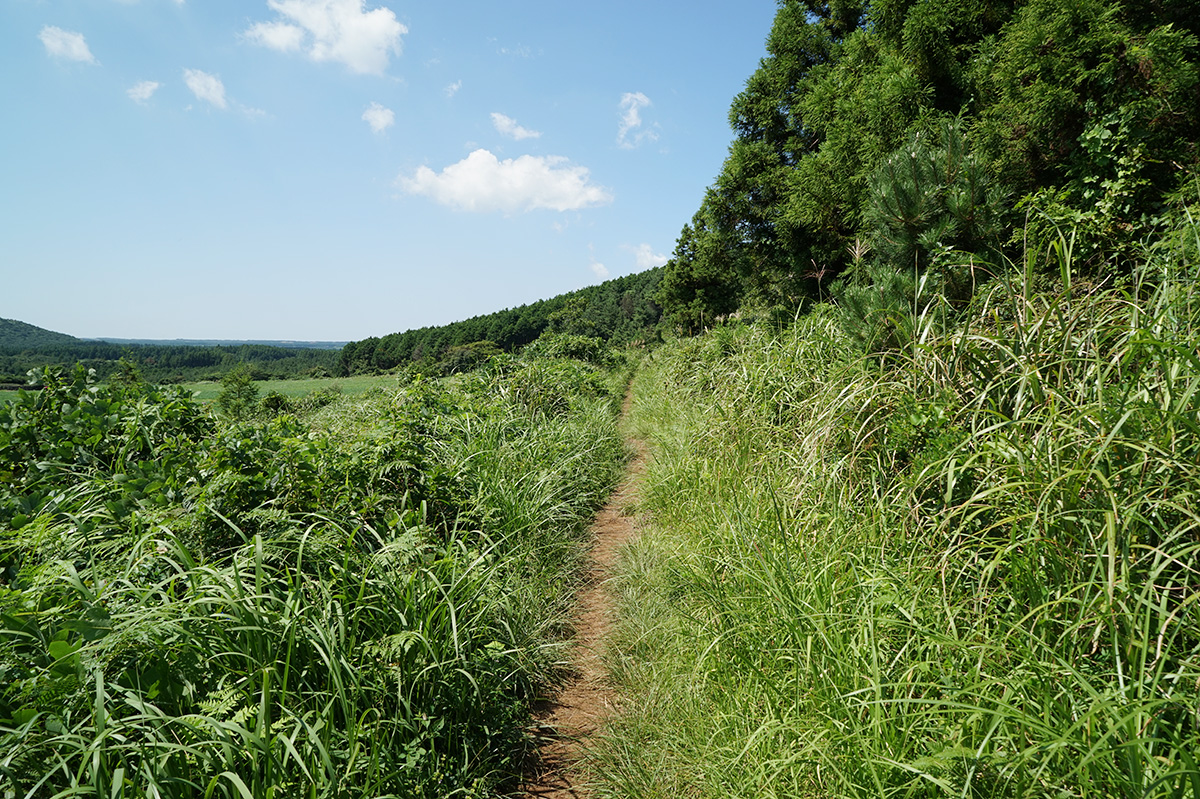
x,y
967,568
209,390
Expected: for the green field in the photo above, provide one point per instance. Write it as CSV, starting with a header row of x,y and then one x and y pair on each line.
x,y
209,390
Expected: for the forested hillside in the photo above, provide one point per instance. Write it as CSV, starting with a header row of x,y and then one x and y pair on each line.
x,y
618,311
216,342
21,335
163,363
878,137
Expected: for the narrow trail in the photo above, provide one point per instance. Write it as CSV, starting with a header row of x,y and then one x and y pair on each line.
x,y
566,722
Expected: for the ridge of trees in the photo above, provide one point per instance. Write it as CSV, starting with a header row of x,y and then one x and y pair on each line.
x,y
617,311
25,347
164,364
217,342
15,334
889,134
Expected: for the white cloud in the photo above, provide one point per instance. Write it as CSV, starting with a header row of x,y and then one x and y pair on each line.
x,y
379,118
453,88
509,127
66,44
630,133
333,30
143,91
598,269
482,183
646,257
206,87
277,35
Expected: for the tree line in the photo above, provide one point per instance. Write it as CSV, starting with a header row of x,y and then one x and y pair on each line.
x,y
618,311
894,136
165,363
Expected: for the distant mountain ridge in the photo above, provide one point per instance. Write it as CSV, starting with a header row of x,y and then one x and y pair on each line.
x,y
25,347
15,334
219,342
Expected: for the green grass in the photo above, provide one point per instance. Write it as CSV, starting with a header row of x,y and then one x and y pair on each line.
x,y
209,390
965,566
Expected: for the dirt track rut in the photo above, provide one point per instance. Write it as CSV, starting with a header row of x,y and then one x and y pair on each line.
x,y
567,722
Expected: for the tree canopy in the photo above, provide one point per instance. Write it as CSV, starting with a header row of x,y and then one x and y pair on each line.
x,y
1086,110
618,311
15,334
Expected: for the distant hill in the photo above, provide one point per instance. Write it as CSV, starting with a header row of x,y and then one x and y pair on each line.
x,y
618,311
217,342
22,335
24,347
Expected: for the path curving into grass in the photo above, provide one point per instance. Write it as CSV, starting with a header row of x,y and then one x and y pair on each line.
x,y
566,722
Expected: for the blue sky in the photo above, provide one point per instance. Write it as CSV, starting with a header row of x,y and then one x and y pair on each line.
x,y
336,169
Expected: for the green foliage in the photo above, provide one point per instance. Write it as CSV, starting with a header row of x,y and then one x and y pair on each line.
x,y
17,335
880,307
930,198
275,403
815,120
163,363
1087,107
363,604
703,280
546,387
620,311
1060,70
137,436
968,569
238,395
467,357
935,220
571,319
552,345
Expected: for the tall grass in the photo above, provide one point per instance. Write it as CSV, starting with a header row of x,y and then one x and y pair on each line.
x,y
364,605
262,676
966,568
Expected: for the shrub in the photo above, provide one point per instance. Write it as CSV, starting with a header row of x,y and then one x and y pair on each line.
x,y
238,393
567,345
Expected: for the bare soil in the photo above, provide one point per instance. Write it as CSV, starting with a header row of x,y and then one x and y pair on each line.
x,y
565,723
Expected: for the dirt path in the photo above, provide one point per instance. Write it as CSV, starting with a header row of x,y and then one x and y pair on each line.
x,y
578,711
